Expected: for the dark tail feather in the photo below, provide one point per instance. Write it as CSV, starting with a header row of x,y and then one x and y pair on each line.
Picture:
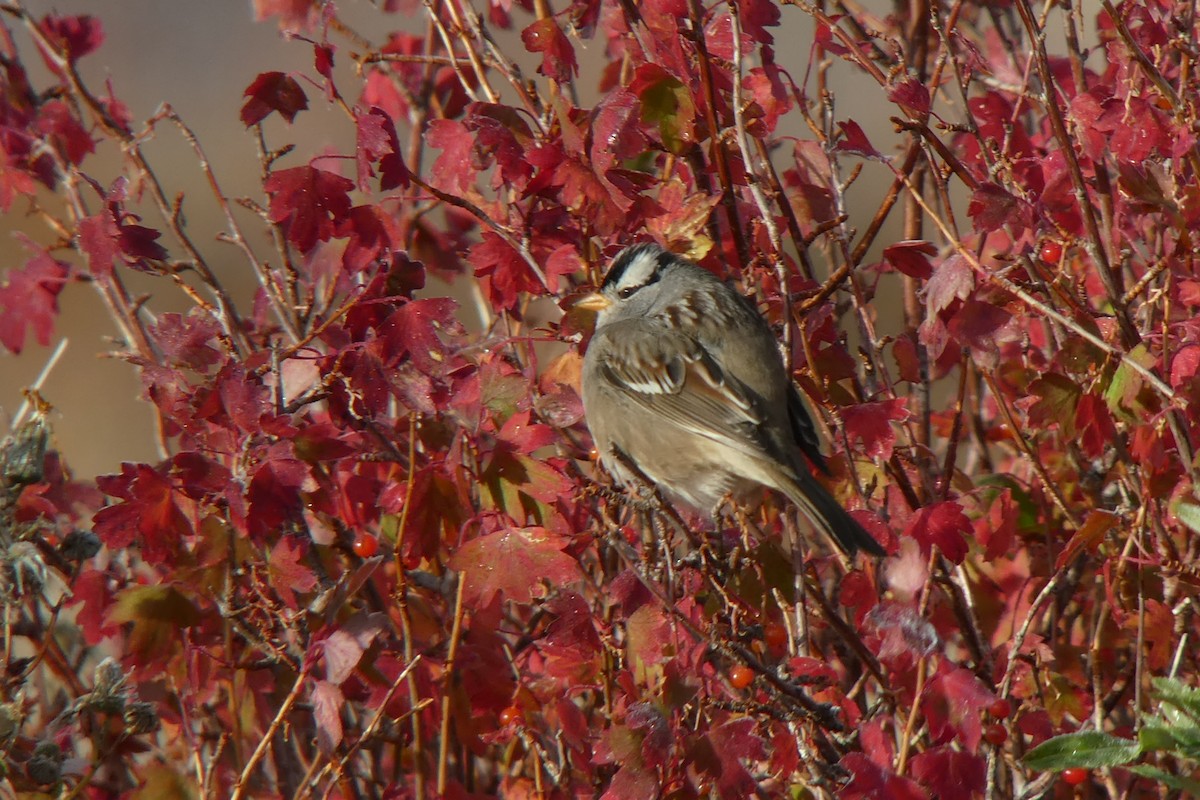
x,y
827,514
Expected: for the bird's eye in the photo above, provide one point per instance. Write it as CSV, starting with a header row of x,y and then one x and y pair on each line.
x,y
627,292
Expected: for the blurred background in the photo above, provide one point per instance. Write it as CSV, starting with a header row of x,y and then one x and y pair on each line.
x,y
199,58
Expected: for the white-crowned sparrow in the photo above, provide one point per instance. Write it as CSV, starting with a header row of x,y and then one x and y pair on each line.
x,y
683,381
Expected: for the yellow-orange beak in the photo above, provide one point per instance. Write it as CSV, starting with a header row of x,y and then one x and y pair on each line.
x,y
593,302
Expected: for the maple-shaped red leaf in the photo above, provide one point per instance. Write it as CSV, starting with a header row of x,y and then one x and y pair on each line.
x,y
503,134
515,562
911,94
952,279
60,126
185,341
415,330
953,703
911,257
92,590
285,572
854,140
992,207
871,423
15,180
308,203
377,143
29,301
943,525
871,781
73,37
371,235
455,169
758,15
558,56
150,515
274,493
294,15
505,274
1094,422
997,529
327,705
730,743
156,615
949,772
983,328
616,135
272,91
571,645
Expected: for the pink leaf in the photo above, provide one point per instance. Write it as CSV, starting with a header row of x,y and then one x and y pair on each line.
x,y
327,703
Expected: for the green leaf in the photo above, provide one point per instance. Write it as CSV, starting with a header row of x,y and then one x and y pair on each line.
x,y
1172,691
1188,785
1189,515
1088,749
1154,736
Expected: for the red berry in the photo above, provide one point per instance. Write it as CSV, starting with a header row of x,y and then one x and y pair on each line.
x,y
1073,776
1000,709
741,676
1051,252
511,715
365,545
775,635
995,734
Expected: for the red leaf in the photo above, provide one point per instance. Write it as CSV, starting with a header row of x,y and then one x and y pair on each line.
x,y
377,142
953,703
524,436
308,203
854,140
327,704
372,236
295,15
558,56
943,525
571,645
732,742
29,301
273,91
1089,536
983,328
911,257
952,279
415,329
184,341
503,134
997,529
74,37
757,16
344,647
92,589
871,423
951,773
150,516
873,782
58,123
273,495
1097,432
455,169
514,562
911,94
286,573
992,207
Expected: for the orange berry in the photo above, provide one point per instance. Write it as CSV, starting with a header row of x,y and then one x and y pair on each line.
x,y
741,676
365,545
511,715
